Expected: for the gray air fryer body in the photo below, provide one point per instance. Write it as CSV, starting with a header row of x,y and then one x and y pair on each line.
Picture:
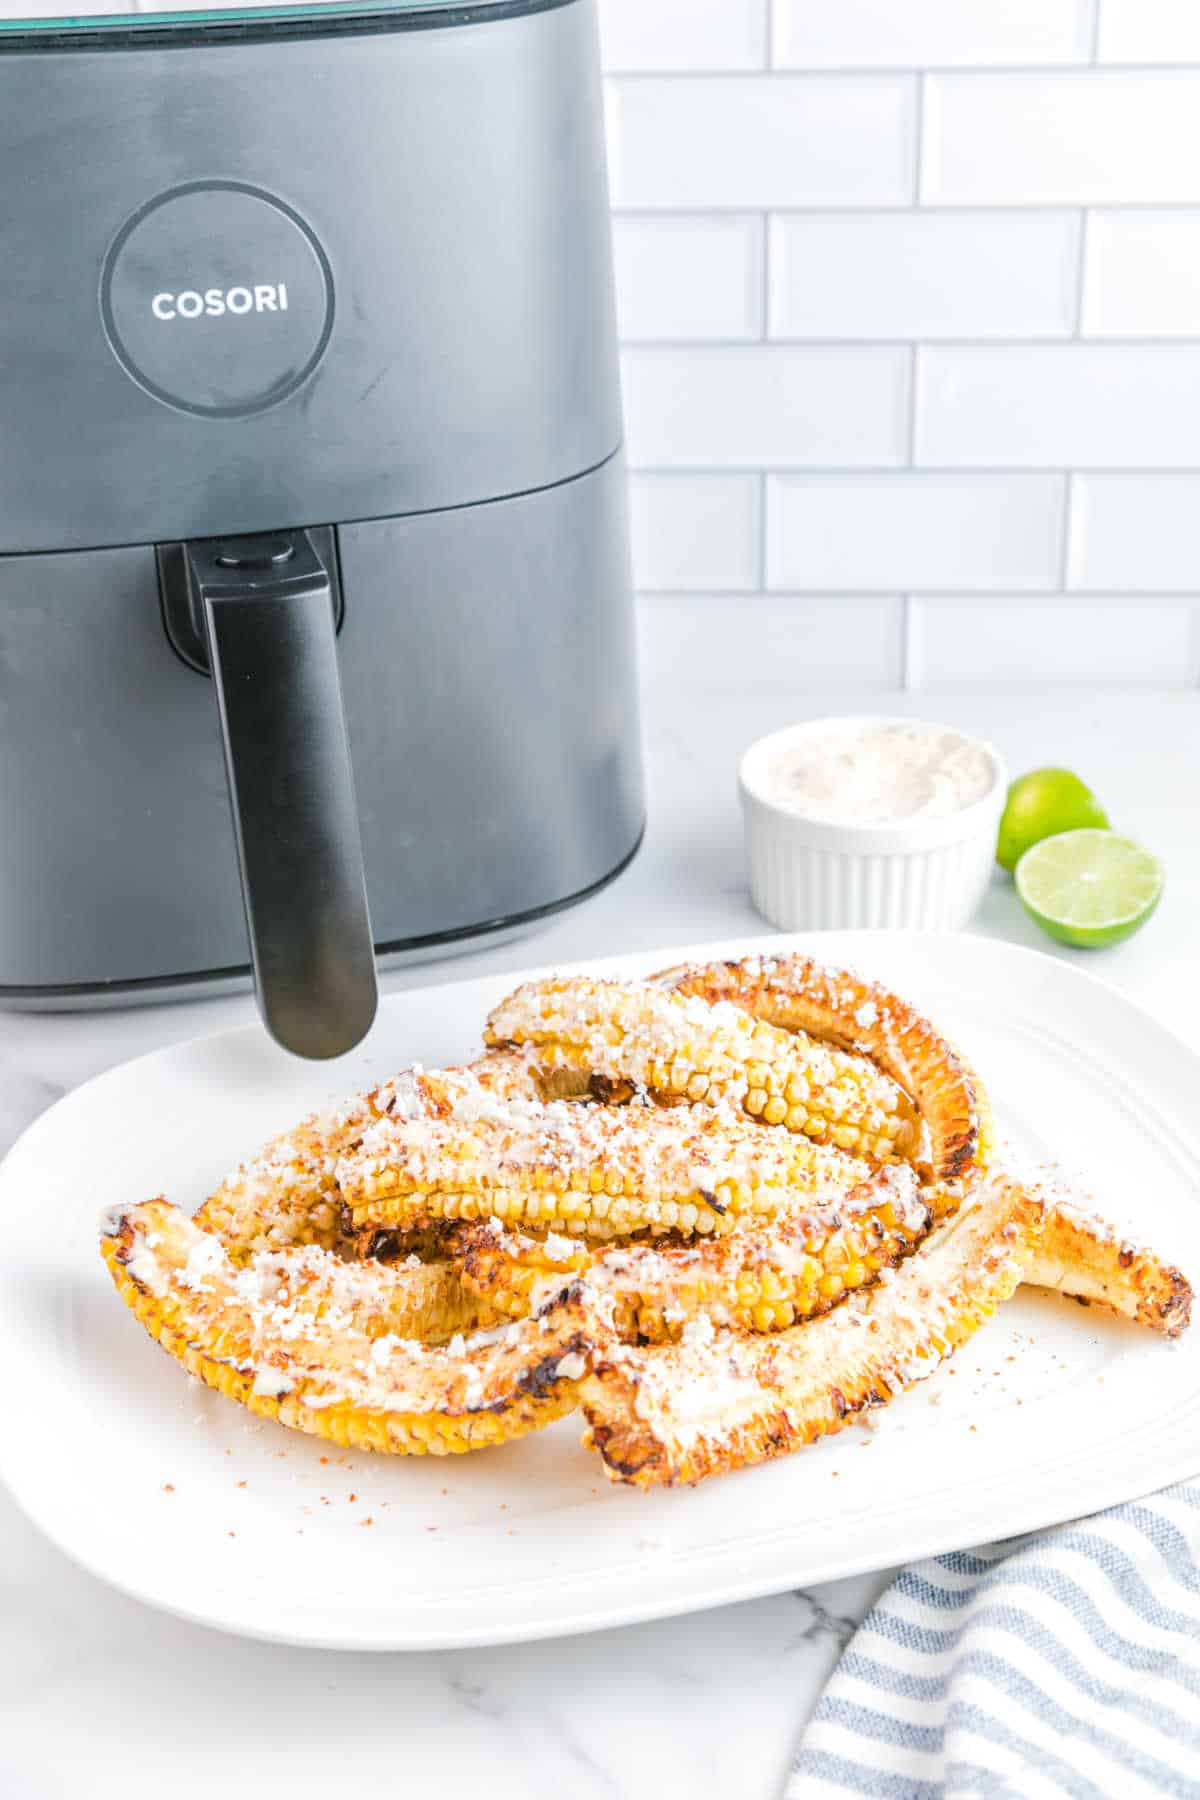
x,y
337,295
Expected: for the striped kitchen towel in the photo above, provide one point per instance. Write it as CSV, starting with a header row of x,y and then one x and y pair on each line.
x,y
1065,1663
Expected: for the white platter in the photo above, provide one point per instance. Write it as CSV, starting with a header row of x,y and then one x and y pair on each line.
x,y
181,1499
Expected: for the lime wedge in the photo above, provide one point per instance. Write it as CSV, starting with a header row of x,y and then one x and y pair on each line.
x,y
1089,888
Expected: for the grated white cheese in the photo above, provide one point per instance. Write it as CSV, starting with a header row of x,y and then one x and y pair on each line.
x,y
856,772
271,1384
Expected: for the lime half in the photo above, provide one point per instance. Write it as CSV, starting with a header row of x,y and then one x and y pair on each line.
x,y
1089,888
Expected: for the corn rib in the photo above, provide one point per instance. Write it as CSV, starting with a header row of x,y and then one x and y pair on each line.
x,y
723,1401
679,1047
795,994
603,1172
766,1275
298,1336
1084,1258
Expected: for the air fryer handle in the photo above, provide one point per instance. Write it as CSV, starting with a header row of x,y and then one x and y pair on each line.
x,y
267,617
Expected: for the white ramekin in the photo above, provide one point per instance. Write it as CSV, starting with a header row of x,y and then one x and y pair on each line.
x,y
923,874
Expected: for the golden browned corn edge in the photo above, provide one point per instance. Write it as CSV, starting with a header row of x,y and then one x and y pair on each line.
x,y
349,1427
1085,1260
796,994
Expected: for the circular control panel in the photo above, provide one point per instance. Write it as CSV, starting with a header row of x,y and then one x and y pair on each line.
x,y
217,299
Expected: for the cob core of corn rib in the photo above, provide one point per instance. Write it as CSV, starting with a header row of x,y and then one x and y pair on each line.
x,y
680,1047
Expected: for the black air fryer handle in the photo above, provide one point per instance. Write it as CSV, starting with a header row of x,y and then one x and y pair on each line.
x,y
267,616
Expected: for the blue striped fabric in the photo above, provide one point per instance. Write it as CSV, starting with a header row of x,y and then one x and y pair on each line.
x,y
1066,1663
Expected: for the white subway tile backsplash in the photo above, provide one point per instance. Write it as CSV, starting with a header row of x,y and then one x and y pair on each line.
x,y
691,276
911,34
1022,643
789,642
695,531
1153,31
1136,533
923,274
683,34
909,295
770,140
914,530
1090,137
766,406
1142,277
1051,406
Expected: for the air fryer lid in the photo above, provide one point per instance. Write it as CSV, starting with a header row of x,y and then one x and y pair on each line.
x,y
120,18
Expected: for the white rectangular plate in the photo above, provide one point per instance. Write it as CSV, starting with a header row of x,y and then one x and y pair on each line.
x,y
178,1497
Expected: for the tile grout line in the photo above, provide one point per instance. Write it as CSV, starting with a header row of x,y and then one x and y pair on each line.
x,y
1065,340
1076,69
843,472
899,208
918,141
1068,523
1075,598
907,654
769,33
1081,255
766,254
1094,49
761,521
913,375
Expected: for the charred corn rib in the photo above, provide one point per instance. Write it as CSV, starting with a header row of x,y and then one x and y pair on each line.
x,y
298,1336
795,994
1086,1259
766,1275
602,1172
679,1047
287,1194
720,1400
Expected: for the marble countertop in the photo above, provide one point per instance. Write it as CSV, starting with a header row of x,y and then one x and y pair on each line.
x,y
101,1697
